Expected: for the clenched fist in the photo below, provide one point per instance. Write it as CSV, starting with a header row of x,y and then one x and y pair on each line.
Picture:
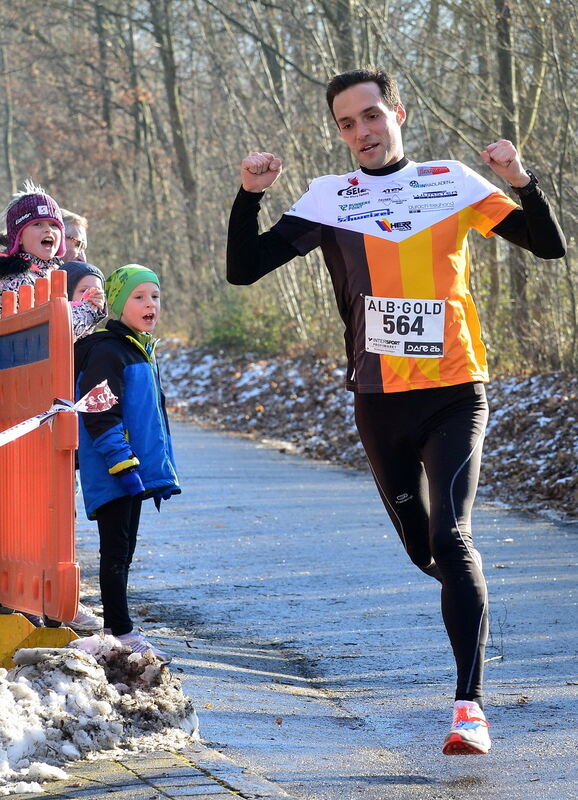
x,y
502,157
259,171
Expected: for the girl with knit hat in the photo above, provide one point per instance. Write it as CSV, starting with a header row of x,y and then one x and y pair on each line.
x,y
34,244
125,453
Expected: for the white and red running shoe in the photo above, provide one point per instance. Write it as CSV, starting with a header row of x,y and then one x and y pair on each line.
x,y
469,732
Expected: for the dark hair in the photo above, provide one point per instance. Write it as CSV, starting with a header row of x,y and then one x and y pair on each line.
x,y
387,85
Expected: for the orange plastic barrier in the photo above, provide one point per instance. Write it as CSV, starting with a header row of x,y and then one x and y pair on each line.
x,y
38,571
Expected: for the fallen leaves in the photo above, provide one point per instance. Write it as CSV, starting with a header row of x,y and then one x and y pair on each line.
x,y
529,452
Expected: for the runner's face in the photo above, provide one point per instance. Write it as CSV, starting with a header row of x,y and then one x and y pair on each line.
x,y
370,129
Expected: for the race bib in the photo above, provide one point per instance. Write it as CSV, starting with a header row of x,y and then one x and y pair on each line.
x,y
398,326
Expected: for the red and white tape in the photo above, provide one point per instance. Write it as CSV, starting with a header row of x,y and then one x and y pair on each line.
x,y
100,398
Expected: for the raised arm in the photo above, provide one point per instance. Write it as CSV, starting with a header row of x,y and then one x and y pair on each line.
x,y
533,226
251,255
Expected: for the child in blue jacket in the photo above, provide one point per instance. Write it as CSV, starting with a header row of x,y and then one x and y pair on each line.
x,y
125,454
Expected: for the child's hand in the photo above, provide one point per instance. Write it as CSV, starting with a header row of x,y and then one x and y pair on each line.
x,y
95,297
131,482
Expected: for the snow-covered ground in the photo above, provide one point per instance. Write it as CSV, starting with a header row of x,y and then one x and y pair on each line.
x,y
91,699
299,402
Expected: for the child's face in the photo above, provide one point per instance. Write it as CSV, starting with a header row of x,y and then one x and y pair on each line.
x,y
88,282
143,307
41,239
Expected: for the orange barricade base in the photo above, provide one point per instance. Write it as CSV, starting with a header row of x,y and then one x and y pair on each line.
x,y
38,569
17,633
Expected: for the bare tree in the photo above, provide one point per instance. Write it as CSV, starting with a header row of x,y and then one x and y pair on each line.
x,y
138,114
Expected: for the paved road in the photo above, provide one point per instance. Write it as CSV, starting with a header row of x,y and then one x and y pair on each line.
x,y
315,652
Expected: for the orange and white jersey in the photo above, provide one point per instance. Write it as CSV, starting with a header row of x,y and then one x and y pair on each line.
x,y
396,248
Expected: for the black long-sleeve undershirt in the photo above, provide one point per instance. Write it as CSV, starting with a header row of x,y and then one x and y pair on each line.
x,y
534,227
251,255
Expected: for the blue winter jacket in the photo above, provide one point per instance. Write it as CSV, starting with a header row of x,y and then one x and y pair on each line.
x,y
134,432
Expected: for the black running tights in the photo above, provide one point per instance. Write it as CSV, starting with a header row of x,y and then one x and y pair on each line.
x,y
424,448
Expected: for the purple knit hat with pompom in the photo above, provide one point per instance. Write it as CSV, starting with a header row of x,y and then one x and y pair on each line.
x,y
30,208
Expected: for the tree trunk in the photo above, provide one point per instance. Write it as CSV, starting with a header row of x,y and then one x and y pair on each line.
x,y
8,122
341,17
519,313
161,20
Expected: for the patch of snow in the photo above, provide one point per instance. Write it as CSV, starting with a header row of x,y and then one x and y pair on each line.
x,y
92,697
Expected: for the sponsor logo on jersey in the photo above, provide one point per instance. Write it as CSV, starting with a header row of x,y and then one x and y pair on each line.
x,y
431,207
432,170
390,227
354,206
418,185
385,225
396,187
365,215
428,195
352,191
354,181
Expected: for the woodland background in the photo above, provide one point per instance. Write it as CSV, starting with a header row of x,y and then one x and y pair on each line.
x,y
137,114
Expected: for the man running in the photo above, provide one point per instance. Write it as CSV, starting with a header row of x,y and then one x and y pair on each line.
x,y
394,238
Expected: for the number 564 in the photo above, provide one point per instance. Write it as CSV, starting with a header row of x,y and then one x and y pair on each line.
x,y
401,324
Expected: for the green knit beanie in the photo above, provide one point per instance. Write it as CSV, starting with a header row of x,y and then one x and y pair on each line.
x,y
122,281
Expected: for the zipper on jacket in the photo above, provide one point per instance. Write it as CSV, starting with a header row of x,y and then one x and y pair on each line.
x,y
156,383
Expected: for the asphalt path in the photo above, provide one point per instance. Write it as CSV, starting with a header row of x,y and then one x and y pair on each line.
x,y
314,650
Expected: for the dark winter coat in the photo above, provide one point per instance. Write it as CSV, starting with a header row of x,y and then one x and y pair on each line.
x,y
137,426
